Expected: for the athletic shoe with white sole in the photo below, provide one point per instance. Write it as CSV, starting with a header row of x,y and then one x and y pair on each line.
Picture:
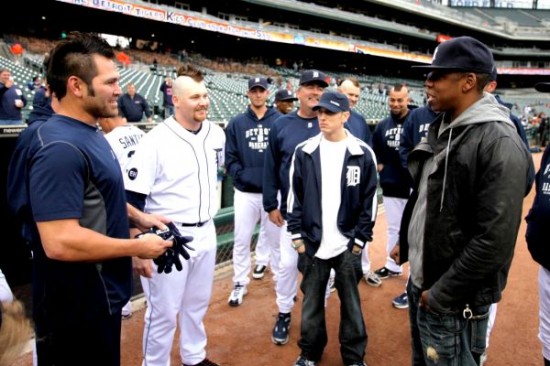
x,y
401,301
302,361
280,331
259,272
384,273
236,296
372,279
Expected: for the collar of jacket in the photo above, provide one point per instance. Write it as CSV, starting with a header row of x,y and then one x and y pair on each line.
x,y
352,144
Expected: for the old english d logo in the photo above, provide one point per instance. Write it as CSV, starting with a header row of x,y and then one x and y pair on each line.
x,y
353,176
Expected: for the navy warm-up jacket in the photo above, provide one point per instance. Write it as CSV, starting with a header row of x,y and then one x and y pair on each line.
x,y
357,211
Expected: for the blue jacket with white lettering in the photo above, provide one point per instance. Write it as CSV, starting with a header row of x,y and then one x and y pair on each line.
x,y
287,132
414,128
394,179
539,215
358,204
245,146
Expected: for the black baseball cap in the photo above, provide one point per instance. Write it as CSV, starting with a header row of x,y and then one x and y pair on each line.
x,y
333,101
257,81
543,87
314,76
462,54
283,94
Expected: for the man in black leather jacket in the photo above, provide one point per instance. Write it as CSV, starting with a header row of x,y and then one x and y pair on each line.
x,y
460,225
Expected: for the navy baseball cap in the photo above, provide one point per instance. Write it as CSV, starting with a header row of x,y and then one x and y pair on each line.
x,y
333,101
257,81
314,76
493,76
543,87
284,94
462,54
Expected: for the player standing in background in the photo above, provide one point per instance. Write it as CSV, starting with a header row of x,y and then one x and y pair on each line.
x,y
166,90
174,173
537,241
247,140
414,129
123,139
284,101
286,133
394,179
81,258
357,125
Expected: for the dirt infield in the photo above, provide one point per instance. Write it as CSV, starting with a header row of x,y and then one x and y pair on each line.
x,y
241,336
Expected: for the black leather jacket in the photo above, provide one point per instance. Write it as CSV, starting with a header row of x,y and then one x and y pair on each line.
x,y
473,210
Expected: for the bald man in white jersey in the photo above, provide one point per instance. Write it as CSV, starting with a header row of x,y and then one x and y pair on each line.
x,y
174,173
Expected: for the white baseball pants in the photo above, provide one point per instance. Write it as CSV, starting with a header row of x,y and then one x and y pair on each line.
x,y
181,298
248,211
394,208
544,311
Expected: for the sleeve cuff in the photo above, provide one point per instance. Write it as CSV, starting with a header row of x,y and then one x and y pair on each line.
x,y
359,242
295,236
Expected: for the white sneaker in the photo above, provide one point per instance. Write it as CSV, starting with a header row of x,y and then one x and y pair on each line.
x,y
483,358
236,296
372,279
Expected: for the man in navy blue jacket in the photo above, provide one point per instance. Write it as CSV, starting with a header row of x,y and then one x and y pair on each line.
x,y
537,241
331,210
245,147
286,133
394,179
357,125
415,127
132,105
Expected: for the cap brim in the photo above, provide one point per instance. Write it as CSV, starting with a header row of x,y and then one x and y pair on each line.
x,y
543,87
255,85
328,107
287,100
323,83
432,67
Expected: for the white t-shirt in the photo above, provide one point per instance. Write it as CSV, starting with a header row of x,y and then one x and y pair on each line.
x,y
333,242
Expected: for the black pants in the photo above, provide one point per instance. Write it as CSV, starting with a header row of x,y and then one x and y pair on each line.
x,y
62,342
352,334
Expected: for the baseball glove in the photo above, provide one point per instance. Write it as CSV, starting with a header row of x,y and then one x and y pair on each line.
x,y
171,257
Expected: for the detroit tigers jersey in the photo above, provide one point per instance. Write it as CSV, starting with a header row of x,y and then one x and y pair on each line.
x,y
173,165
124,140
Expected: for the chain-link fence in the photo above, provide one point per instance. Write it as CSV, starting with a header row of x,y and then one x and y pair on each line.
x,y
224,222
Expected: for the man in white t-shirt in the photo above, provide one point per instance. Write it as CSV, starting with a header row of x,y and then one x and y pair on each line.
x,y
330,219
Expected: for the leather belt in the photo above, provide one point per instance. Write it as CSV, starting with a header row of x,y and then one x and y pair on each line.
x,y
196,224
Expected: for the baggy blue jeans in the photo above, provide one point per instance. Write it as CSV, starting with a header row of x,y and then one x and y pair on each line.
x,y
352,333
447,339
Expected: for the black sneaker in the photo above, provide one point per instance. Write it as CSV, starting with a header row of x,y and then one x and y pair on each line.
x,y
302,361
205,362
259,272
384,273
280,331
